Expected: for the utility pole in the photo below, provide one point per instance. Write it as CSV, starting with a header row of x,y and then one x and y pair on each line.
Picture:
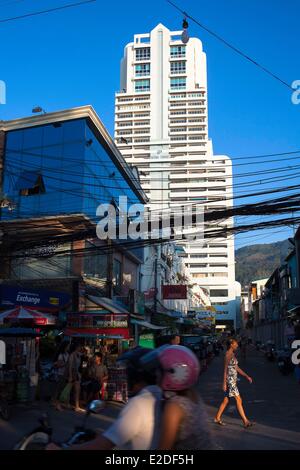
x,y
155,279
110,259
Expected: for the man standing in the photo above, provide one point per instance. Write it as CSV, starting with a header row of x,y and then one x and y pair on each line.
x,y
97,374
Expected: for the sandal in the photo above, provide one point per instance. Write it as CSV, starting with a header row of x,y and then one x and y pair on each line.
x,y
219,422
79,410
248,425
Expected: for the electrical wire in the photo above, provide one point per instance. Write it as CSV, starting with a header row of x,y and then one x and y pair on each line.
x,y
99,161
232,47
25,165
43,12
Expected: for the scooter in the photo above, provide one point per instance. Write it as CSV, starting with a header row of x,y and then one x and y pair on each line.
x,y
284,361
4,409
270,351
41,436
258,345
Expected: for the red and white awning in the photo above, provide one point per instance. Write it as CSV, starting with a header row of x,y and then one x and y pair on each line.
x,y
21,313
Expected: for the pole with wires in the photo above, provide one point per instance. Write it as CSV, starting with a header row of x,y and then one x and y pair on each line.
x,y
155,279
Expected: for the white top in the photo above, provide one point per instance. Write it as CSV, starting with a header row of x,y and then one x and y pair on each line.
x,y
137,427
62,358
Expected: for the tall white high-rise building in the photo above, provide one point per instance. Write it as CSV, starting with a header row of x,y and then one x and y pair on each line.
x,y
161,126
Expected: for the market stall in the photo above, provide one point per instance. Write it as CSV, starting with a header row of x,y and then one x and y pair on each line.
x,y
109,334
115,389
19,373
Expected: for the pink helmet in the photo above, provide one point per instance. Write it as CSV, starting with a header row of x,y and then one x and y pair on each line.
x,y
180,367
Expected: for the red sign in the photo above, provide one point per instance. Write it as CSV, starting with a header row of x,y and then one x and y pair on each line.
x,y
150,294
175,291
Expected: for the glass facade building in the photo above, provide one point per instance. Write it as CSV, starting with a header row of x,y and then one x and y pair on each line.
x,y
53,165
60,168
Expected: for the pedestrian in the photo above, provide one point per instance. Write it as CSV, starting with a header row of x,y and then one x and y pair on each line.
x,y
184,422
73,373
138,425
174,340
244,344
97,374
230,389
105,354
60,365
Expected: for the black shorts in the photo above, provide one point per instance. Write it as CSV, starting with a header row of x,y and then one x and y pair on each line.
x,y
94,387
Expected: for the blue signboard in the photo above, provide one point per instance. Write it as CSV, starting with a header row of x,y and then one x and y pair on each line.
x,y
11,296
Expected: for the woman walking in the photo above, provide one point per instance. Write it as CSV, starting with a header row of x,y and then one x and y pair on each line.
x,y
231,371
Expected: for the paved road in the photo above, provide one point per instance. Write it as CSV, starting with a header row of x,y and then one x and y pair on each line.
x,y
272,401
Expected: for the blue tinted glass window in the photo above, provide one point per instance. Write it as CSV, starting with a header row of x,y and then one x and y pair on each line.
x,y
142,85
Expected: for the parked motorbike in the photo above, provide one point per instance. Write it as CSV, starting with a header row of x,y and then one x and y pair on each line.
x,y
4,409
284,361
41,436
217,348
258,345
270,351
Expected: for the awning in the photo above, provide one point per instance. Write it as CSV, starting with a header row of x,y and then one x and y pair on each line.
x,y
147,324
108,304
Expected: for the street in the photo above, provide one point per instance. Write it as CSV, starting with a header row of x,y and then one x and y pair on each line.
x,y
272,402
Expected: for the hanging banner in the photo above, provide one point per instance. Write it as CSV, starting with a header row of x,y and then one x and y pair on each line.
x,y
174,292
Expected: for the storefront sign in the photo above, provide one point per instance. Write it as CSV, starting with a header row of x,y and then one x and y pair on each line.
x,y
175,291
11,296
97,321
117,333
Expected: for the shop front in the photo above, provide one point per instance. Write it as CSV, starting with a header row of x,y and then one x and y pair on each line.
x,y
101,330
25,315
19,370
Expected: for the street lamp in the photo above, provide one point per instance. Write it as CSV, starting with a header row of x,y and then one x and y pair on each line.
x,y
185,36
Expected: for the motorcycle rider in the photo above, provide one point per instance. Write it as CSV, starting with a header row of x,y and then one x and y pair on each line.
x,y
184,423
137,427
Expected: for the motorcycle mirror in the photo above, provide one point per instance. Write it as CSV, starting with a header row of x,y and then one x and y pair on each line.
x,y
96,406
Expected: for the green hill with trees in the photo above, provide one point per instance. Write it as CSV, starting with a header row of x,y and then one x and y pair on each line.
x,y
259,261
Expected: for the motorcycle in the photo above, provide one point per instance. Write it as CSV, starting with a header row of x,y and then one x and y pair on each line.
x,y
270,352
216,349
41,436
258,345
284,361
4,409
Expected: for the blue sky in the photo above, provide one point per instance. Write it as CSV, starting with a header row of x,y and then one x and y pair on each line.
x,y
71,58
